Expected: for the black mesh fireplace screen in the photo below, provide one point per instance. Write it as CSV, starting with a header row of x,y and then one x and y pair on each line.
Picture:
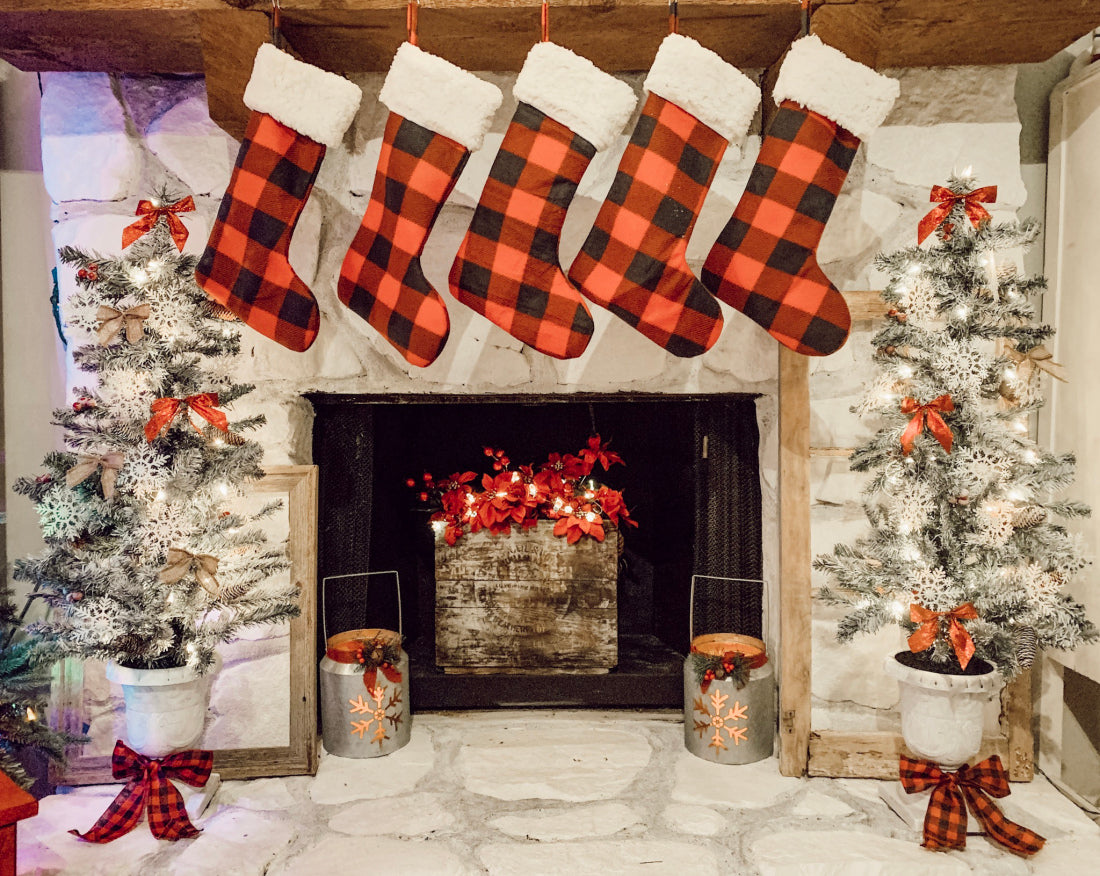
x,y
691,479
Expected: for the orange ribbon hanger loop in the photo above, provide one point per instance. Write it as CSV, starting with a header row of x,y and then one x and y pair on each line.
x,y
673,16
805,17
545,22
412,12
925,634
936,425
276,33
947,199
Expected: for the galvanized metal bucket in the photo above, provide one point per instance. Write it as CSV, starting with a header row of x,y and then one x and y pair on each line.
x,y
365,687
729,694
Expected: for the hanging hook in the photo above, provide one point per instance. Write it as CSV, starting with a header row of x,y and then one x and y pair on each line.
x,y
673,16
545,21
805,17
411,13
276,34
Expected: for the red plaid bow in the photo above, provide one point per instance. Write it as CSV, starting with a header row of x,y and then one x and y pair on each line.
x,y
150,213
952,793
972,203
936,425
165,410
148,788
925,634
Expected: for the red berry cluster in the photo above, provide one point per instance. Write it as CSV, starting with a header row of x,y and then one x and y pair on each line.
x,y
83,404
89,274
500,461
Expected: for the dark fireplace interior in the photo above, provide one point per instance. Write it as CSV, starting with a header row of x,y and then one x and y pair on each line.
x,y
691,480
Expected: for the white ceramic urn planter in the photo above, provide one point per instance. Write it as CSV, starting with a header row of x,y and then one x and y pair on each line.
x,y
942,718
165,708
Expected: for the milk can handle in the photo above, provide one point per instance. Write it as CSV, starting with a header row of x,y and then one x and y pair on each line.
x,y
397,585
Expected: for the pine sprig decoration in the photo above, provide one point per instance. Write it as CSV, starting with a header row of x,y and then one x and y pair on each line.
x,y
732,665
977,523
100,576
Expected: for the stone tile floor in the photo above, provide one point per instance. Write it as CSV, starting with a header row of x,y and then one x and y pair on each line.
x,y
534,793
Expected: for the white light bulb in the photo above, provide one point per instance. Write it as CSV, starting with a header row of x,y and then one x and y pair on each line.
x,y
1016,494
967,172
915,268
515,476
590,516
905,372
1010,372
1020,425
171,598
568,509
904,528
897,609
532,490
31,715
139,276
962,311
438,526
161,496
223,488
1031,456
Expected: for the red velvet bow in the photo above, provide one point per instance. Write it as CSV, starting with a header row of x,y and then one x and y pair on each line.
x,y
150,213
952,793
936,425
147,787
947,199
348,652
929,628
165,409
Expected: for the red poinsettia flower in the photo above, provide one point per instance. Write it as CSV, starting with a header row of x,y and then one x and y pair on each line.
x,y
583,521
612,504
567,465
597,452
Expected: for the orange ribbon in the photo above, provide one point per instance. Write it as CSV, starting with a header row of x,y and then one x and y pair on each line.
x,y
930,412
165,410
348,652
947,199
929,629
150,213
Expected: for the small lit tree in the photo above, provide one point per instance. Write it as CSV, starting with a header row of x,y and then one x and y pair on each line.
x,y
966,543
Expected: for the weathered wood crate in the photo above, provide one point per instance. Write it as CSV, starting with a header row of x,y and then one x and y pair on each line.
x,y
526,602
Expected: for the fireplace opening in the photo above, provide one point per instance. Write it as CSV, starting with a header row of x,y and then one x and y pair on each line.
x,y
691,479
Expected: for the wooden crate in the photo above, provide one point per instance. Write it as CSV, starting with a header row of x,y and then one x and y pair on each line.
x,y
526,602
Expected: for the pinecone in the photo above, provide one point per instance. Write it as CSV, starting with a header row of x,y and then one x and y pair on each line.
x,y
1027,646
1029,517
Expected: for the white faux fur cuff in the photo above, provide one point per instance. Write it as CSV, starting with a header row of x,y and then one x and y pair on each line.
x,y
440,96
575,92
824,80
310,100
699,82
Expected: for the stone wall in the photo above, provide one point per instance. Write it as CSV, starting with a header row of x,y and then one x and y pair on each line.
x,y
110,140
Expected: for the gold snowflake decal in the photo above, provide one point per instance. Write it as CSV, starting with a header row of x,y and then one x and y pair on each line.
x,y
376,712
719,723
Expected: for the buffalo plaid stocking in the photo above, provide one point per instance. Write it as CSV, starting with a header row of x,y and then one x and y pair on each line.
x,y
438,115
634,259
507,266
297,111
765,260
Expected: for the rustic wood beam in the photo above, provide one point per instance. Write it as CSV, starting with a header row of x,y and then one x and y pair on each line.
x,y
230,39
795,605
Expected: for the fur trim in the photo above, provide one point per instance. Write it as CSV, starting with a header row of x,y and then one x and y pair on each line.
x,y
699,82
315,103
824,80
575,92
425,89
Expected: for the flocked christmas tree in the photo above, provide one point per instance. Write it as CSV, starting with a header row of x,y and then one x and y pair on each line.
x,y
968,543
145,563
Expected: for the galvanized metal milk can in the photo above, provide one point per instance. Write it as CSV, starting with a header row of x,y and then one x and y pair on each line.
x,y
729,697
365,688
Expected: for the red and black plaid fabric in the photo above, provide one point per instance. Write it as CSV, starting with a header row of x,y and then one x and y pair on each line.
x,y
245,267
953,793
507,266
764,262
381,278
148,788
633,261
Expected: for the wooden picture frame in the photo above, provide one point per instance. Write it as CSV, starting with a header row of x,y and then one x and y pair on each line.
x,y
298,484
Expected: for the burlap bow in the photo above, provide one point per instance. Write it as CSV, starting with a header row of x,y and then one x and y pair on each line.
x,y
112,321
929,621
181,563
87,464
148,788
953,793
1036,359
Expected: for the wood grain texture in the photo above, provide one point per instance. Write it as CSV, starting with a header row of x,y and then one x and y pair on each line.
x,y
795,605
230,39
299,484
526,601
1016,712
872,754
